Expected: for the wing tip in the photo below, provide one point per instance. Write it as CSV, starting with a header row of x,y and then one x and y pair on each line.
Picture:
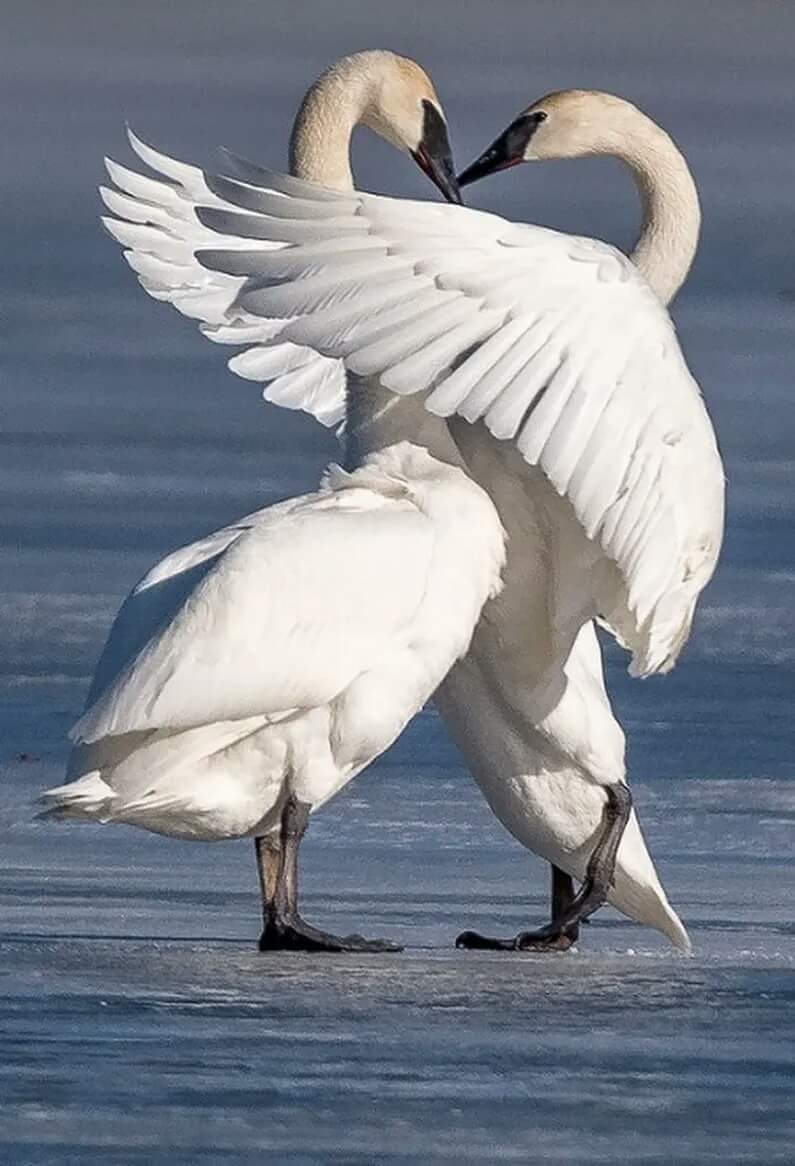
x,y
137,143
106,194
113,226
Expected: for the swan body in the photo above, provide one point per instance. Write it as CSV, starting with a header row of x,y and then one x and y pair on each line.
x,y
281,655
546,365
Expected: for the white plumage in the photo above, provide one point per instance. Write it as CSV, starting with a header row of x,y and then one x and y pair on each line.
x,y
556,343
543,363
279,656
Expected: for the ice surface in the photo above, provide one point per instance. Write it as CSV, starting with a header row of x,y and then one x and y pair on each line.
x,y
138,1022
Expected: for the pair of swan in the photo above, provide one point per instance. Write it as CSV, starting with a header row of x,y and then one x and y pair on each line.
x,y
543,364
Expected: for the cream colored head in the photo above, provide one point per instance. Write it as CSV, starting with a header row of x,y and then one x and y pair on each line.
x,y
391,95
574,123
395,107
571,123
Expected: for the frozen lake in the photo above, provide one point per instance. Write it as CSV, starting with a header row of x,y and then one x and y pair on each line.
x,y
138,1022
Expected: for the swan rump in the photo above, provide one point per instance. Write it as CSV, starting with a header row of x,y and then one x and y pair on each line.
x,y
286,652
555,342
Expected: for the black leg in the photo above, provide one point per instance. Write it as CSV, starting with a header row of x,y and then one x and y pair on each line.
x,y
269,857
568,909
284,928
562,898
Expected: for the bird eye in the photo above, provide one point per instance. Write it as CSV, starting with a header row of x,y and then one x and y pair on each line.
x,y
540,116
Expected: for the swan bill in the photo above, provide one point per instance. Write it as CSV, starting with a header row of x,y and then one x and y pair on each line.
x,y
507,150
434,155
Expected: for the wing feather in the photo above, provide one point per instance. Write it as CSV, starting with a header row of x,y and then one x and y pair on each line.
x,y
389,351
235,193
337,329
420,369
555,342
162,252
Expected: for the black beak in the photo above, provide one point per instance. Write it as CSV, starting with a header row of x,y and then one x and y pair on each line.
x,y
434,155
505,151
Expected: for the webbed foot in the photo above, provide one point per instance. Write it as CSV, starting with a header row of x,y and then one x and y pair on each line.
x,y
542,940
294,934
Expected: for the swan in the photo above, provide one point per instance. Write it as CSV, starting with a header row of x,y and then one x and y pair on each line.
x,y
571,124
251,675
547,366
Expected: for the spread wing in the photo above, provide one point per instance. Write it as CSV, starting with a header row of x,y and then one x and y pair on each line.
x,y
554,342
302,599
160,231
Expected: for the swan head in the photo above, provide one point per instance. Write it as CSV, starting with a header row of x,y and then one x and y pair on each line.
x,y
404,108
567,124
391,95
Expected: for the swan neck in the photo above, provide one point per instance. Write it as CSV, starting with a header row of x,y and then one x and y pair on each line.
x,y
330,111
376,417
671,221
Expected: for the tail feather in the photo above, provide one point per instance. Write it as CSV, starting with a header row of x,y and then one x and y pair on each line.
x,y
649,904
638,892
90,798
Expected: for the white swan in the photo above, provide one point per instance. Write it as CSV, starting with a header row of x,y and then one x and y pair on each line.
x,y
250,676
563,389
544,805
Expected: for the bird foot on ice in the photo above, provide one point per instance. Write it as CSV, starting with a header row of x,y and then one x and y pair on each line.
x,y
296,935
542,940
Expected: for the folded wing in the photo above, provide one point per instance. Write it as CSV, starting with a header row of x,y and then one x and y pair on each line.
x,y
303,599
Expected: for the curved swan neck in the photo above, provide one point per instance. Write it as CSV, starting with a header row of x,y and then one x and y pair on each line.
x,y
669,233
332,108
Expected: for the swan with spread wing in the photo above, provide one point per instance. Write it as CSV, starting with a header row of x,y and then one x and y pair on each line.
x,y
544,363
